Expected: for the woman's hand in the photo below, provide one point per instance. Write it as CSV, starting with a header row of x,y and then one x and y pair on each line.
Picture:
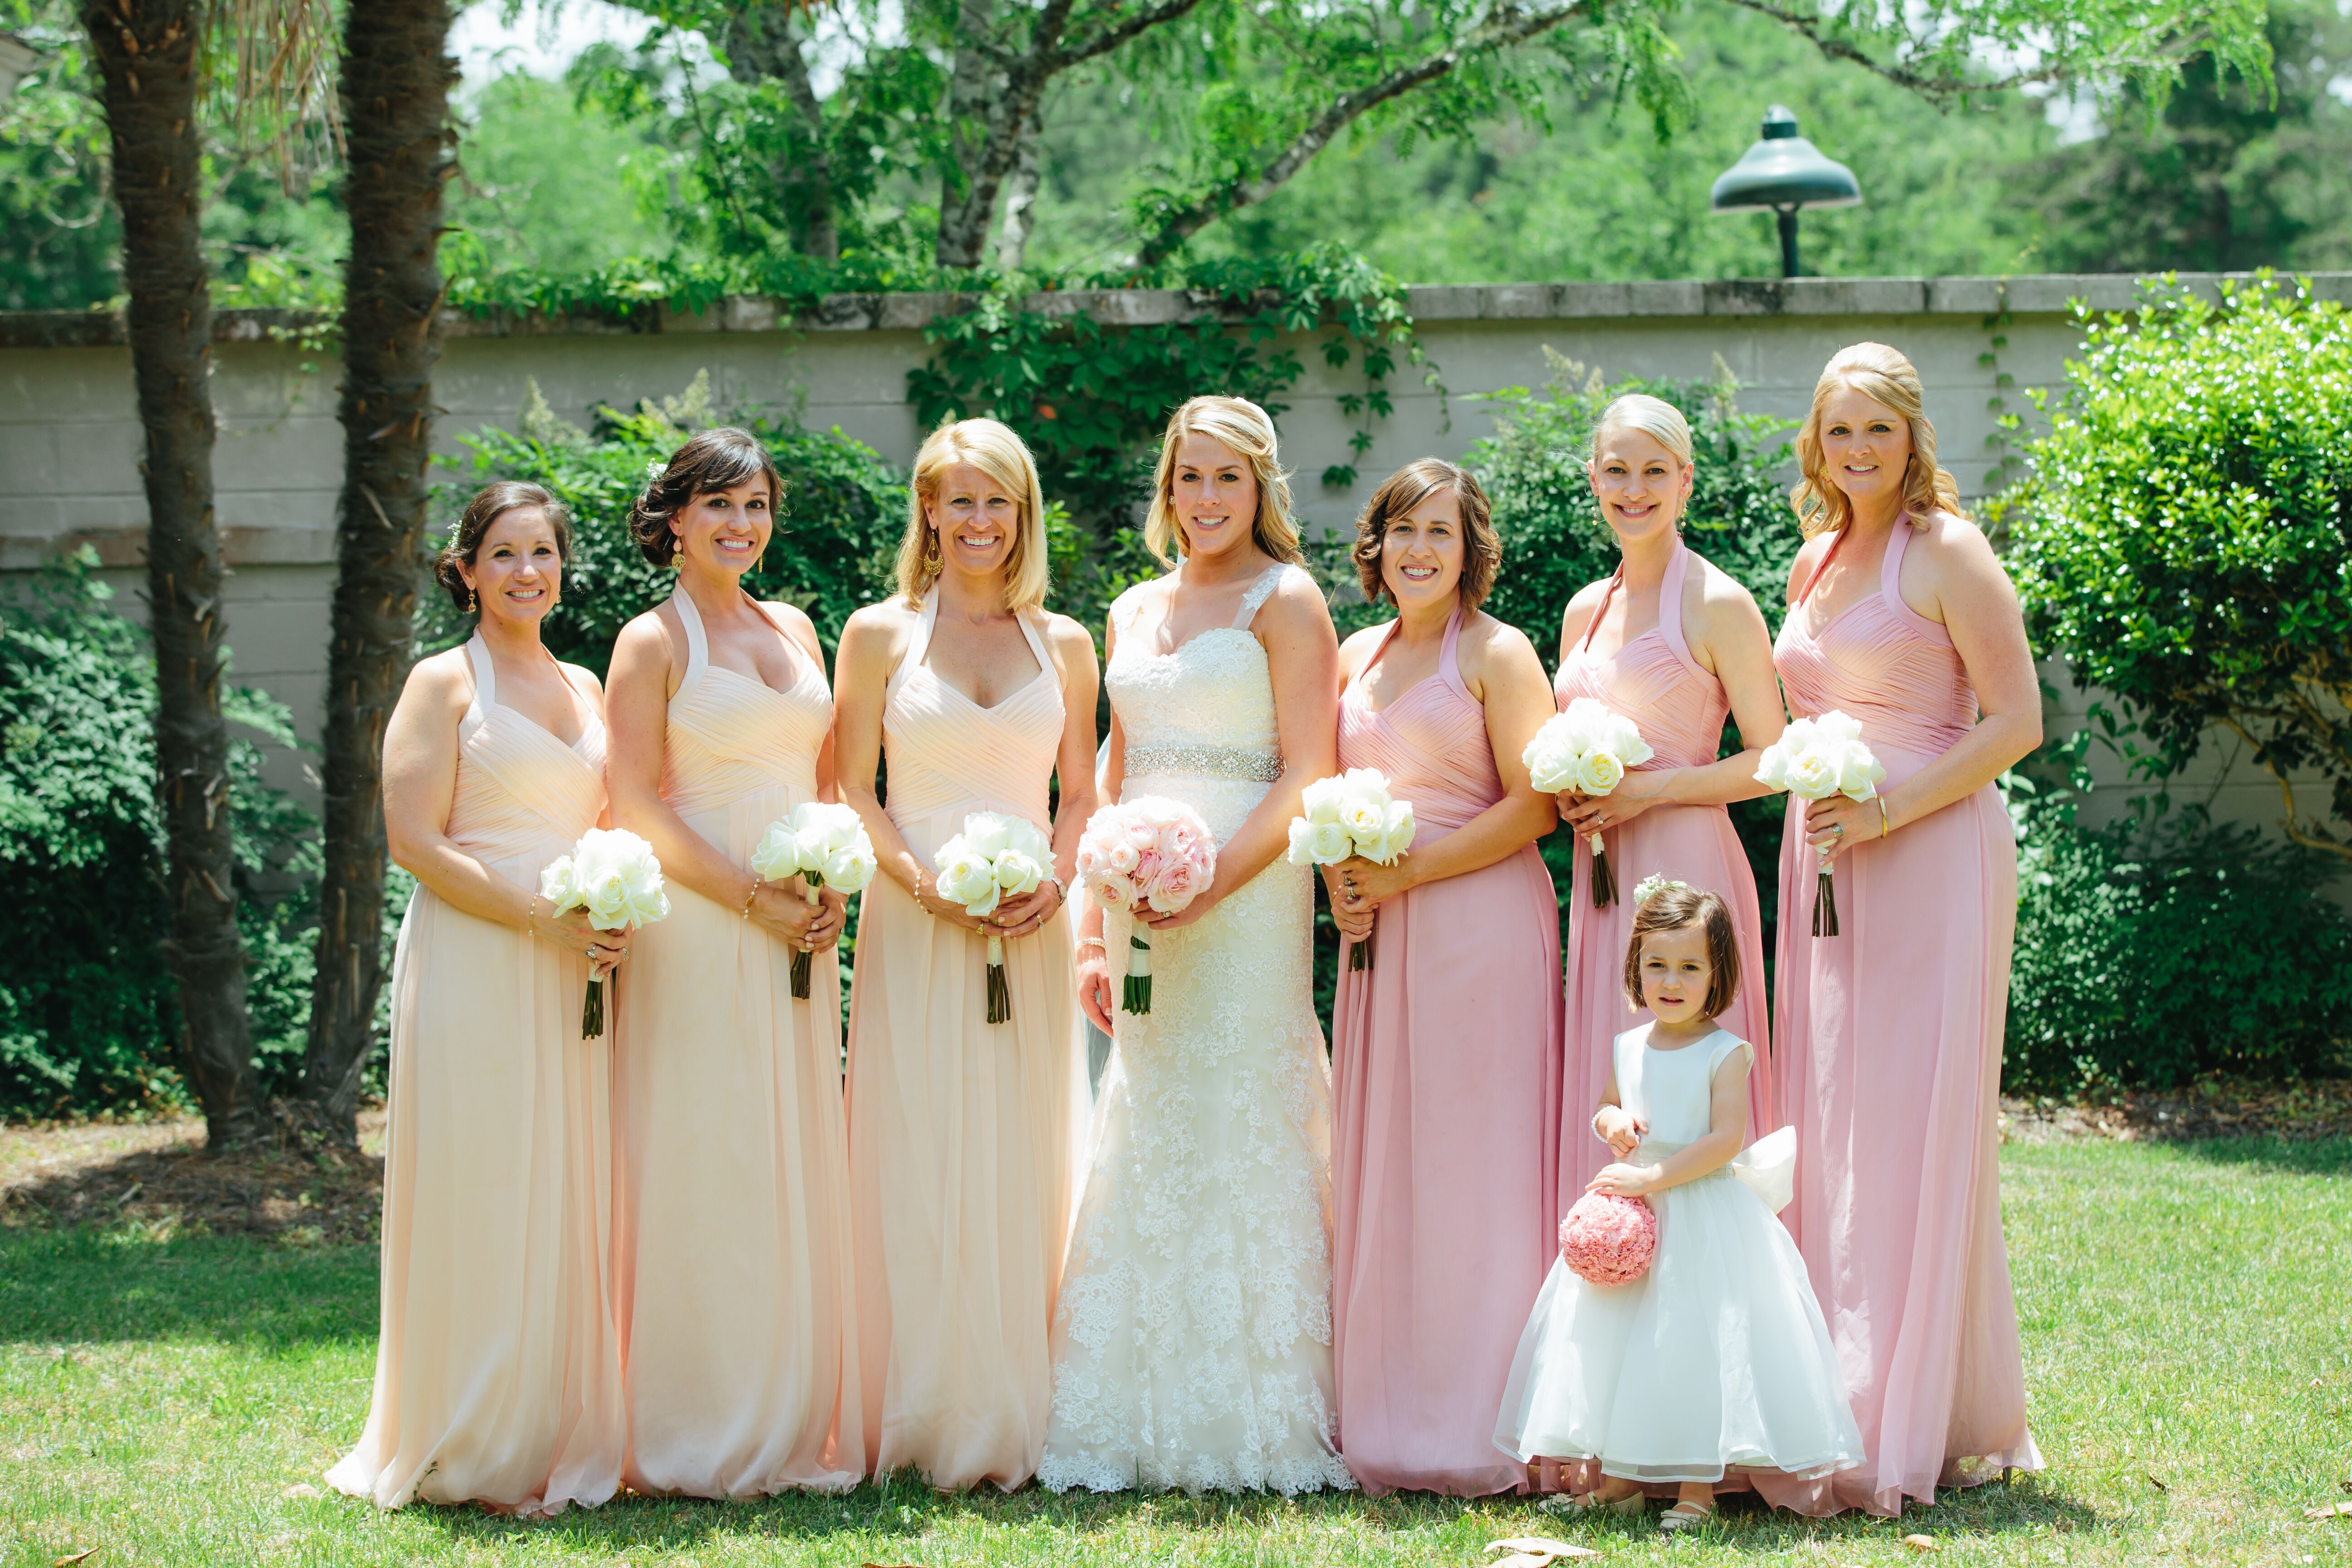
x,y
1368,884
1094,984
570,932
1587,814
781,909
1207,900
1353,919
1620,1128
927,893
1018,917
1838,824
1626,1180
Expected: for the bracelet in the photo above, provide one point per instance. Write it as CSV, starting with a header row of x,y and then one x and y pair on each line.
x,y
757,883
1094,942
1883,827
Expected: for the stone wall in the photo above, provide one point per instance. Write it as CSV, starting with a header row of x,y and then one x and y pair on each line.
x,y
69,437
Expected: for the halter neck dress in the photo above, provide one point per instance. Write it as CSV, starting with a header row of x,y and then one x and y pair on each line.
x,y
1444,1108
498,1379
1680,708
739,1343
960,1130
1890,1038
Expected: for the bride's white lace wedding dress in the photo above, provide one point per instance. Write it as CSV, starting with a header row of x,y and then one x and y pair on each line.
x,y
1192,1341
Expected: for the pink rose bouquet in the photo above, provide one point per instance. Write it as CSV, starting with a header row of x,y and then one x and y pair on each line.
x,y
1152,853
1608,1240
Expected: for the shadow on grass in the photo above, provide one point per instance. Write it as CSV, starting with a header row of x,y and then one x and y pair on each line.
x,y
76,1286
902,1509
2292,1156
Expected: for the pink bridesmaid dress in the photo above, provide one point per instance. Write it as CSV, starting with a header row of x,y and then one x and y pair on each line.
x,y
738,1344
498,1379
960,1130
1654,681
1890,1068
1445,1104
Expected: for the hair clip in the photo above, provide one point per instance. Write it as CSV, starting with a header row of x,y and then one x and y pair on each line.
x,y
654,469
1651,886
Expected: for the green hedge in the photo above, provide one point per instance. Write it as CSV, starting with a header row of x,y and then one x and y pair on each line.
x,y
87,1019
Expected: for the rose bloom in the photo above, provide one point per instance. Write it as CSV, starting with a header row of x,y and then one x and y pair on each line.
x,y
1602,773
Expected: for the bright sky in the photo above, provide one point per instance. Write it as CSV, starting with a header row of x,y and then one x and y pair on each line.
x,y
540,39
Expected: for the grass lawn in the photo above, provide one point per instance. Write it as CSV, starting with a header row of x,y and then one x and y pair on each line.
x,y
2188,1321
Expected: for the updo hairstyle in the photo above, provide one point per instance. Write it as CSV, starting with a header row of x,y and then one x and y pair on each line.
x,y
711,462
1884,375
1677,908
1654,416
1482,548
491,504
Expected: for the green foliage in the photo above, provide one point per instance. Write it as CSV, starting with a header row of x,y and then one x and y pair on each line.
x,y
2147,957
2182,540
837,533
87,1017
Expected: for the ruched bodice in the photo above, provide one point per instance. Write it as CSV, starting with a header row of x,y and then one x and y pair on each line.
x,y
523,796
1654,681
731,735
1431,741
1881,662
948,753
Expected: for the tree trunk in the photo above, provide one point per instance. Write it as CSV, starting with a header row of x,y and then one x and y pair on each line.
x,y
147,54
396,90
760,45
1020,206
976,106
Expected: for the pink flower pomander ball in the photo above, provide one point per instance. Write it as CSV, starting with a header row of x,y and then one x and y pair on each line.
x,y
1609,1241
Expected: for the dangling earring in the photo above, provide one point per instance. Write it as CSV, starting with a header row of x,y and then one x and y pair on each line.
x,y
473,599
931,546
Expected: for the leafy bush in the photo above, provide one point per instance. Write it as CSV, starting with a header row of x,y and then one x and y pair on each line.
x,y
836,531
2149,956
88,1021
2182,538
1555,542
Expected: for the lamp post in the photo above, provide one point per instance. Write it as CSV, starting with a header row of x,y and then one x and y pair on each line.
x,y
17,59
1781,173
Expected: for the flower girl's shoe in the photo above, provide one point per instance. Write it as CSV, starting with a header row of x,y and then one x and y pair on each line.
x,y
1684,1516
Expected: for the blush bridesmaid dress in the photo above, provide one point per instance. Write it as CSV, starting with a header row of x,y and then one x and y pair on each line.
x,y
960,1130
498,1380
1445,1113
733,1233
1680,708
1890,1039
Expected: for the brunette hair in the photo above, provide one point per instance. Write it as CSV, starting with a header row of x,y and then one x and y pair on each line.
x,y
1482,548
997,452
712,460
1677,908
1883,375
1248,431
491,504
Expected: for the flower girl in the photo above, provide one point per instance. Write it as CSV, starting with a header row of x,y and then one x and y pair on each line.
x,y
1716,1359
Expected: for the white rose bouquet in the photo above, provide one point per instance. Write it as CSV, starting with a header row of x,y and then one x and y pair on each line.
x,y
995,857
1814,758
824,842
614,876
1588,748
1151,853
1345,816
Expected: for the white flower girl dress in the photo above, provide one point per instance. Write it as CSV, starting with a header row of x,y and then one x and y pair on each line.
x,y
1717,1358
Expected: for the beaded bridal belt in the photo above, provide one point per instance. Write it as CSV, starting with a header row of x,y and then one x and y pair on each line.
x,y
1243,762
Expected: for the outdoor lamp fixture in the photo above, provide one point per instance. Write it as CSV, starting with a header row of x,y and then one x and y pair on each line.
x,y
1781,174
17,59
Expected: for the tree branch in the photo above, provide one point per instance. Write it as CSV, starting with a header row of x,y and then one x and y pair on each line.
x,y
1111,38
1929,87
1180,222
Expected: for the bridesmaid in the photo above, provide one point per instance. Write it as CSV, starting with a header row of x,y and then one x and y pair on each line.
x,y
1890,1034
731,1234
1446,1051
1674,644
497,1378
960,1132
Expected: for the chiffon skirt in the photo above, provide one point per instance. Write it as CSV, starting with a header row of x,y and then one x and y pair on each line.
x,y
1445,1096
961,1177
732,1234
1693,844
1890,1070
498,1378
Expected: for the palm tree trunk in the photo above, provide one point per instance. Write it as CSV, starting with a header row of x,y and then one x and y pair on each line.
x,y
396,90
147,53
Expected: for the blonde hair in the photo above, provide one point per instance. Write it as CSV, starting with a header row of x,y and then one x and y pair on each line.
x,y
1243,426
1653,416
1884,376
995,451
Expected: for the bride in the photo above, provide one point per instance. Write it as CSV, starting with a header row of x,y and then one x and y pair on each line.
x,y
1192,1342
